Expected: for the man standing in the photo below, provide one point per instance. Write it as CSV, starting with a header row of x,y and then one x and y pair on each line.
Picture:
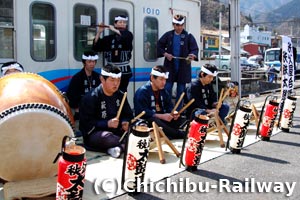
x,y
179,48
156,102
203,93
117,47
83,81
98,123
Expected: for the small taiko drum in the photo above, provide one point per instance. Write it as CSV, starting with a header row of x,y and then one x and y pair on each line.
x,y
34,117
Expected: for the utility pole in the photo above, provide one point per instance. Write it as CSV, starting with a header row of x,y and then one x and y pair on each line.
x,y
220,50
235,42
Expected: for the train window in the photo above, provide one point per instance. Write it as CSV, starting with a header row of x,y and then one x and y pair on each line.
x,y
84,33
6,29
150,38
42,32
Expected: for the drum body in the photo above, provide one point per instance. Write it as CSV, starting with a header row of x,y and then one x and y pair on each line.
x,y
34,117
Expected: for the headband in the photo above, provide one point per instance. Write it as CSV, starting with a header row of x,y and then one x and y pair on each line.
x,y
121,18
203,69
95,57
175,21
160,74
12,66
104,73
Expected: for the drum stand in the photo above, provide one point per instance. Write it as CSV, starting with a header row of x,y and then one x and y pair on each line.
x,y
159,138
219,125
255,115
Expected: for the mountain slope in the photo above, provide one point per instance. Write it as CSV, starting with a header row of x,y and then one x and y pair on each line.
x,y
284,20
258,7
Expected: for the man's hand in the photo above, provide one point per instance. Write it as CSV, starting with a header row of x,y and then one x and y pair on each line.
x,y
210,112
175,115
166,116
112,28
113,123
168,56
191,57
125,126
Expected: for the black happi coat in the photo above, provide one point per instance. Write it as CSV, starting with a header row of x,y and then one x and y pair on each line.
x,y
96,109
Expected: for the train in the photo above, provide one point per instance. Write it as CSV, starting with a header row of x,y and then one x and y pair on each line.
x,y
48,37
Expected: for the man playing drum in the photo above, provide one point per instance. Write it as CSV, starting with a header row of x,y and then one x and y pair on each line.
x,y
155,100
100,121
203,93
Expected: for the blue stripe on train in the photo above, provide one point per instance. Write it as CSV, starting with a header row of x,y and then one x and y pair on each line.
x,y
62,77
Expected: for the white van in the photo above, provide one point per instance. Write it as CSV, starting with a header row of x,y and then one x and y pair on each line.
x,y
223,63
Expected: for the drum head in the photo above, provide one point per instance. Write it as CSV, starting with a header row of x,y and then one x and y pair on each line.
x,y
31,136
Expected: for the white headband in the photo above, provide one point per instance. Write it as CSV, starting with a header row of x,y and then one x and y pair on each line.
x,y
104,73
95,57
121,18
157,73
12,66
175,21
208,72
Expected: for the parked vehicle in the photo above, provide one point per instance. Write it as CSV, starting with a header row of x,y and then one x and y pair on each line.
x,y
245,65
272,58
256,60
223,63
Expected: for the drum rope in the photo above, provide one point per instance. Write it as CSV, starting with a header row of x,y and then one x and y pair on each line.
x,y
38,106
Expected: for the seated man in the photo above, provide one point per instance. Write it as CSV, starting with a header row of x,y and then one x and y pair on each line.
x,y
154,99
83,81
203,93
11,67
98,110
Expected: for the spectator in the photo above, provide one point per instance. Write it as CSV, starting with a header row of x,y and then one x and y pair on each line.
x,y
156,102
11,67
83,81
117,47
272,74
179,48
98,110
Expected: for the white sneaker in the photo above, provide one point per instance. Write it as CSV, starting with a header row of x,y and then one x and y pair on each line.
x,y
115,152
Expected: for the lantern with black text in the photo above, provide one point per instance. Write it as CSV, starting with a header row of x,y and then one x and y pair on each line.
x,y
239,126
71,171
289,108
268,118
136,156
196,140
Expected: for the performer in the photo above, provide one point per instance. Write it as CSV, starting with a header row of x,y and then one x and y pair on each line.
x,y
117,47
156,102
11,67
179,48
203,93
83,81
98,123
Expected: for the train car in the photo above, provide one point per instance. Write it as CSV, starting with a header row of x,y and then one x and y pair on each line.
x,y
48,37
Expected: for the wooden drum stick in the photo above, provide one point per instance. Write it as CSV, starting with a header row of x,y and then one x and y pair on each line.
x,y
121,106
137,117
101,25
177,104
186,106
132,121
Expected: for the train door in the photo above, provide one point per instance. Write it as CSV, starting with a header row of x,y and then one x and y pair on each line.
x,y
112,9
7,36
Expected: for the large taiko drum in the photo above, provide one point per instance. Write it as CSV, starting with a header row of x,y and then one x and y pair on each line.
x,y
34,117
